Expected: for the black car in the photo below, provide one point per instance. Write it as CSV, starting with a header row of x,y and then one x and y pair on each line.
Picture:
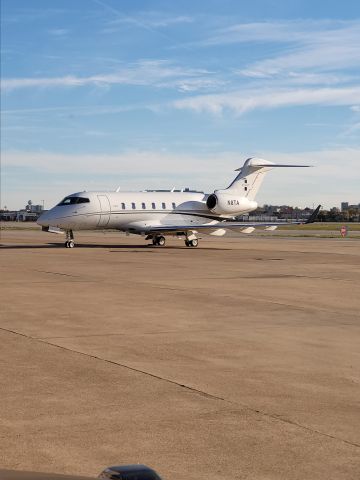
x,y
118,472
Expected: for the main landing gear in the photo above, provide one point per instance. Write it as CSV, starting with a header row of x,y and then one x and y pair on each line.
x,y
159,241
69,239
192,243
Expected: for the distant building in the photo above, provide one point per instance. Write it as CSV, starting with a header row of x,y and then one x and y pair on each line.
x,y
28,214
36,208
8,215
345,207
273,213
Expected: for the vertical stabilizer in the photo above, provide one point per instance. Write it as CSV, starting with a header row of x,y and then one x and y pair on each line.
x,y
251,176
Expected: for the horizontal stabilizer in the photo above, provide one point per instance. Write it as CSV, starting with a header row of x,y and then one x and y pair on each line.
x,y
272,165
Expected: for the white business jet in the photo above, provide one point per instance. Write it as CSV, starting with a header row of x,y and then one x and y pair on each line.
x,y
156,214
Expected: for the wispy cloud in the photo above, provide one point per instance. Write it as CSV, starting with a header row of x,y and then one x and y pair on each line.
x,y
28,15
90,110
246,100
152,20
58,32
320,45
157,73
154,163
119,16
282,31
317,63
353,129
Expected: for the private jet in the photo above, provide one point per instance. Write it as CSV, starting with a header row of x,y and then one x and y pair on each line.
x,y
156,214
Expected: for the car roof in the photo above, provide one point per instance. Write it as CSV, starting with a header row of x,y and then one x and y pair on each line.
x,y
130,468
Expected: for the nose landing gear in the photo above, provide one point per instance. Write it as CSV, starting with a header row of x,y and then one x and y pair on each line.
x,y
69,239
70,244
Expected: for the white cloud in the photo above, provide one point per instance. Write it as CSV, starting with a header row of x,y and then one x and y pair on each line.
x,y
297,78
157,73
334,178
152,19
31,15
58,32
327,56
246,100
352,130
322,45
152,163
71,110
283,31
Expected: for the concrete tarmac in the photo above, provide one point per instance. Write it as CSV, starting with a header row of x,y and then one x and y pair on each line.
x,y
236,360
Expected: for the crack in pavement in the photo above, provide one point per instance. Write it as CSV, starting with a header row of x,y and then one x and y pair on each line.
x,y
271,276
194,390
248,297
58,273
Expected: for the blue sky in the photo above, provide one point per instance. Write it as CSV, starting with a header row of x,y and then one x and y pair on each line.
x,y
98,94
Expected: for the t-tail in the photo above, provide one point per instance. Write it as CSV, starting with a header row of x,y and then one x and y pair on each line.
x,y
251,176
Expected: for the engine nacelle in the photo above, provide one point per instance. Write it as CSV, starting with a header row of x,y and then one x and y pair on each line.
x,y
223,202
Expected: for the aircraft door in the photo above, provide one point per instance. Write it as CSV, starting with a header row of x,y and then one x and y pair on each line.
x,y
105,210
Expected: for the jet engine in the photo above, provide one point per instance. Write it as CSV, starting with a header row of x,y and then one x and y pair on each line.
x,y
223,202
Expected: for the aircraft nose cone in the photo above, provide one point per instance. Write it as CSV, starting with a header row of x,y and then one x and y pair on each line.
x,y
43,220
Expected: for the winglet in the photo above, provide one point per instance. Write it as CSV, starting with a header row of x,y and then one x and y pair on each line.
x,y
314,215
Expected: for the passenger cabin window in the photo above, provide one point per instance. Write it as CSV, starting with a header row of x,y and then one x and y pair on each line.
x,y
153,206
123,206
173,205
163,206
143,206
133,206
73,201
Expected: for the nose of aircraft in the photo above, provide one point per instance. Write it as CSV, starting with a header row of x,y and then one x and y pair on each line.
x,y
44,218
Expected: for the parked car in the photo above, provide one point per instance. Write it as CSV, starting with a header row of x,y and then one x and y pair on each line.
x,y
117,472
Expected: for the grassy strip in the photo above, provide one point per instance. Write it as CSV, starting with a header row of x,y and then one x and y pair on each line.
x,y
5,227
333,227
310,235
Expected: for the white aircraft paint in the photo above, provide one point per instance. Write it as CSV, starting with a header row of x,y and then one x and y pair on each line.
x,y
160,213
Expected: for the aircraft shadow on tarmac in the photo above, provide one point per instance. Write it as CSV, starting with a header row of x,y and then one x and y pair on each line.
x,y
146,247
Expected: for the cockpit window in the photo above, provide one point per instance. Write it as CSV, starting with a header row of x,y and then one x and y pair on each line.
x,y
73,200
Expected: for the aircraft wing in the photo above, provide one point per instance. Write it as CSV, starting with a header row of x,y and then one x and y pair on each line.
x,y
245,227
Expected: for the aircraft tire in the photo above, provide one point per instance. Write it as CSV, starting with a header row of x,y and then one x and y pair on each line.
x,y
71,244
194,243
161,241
